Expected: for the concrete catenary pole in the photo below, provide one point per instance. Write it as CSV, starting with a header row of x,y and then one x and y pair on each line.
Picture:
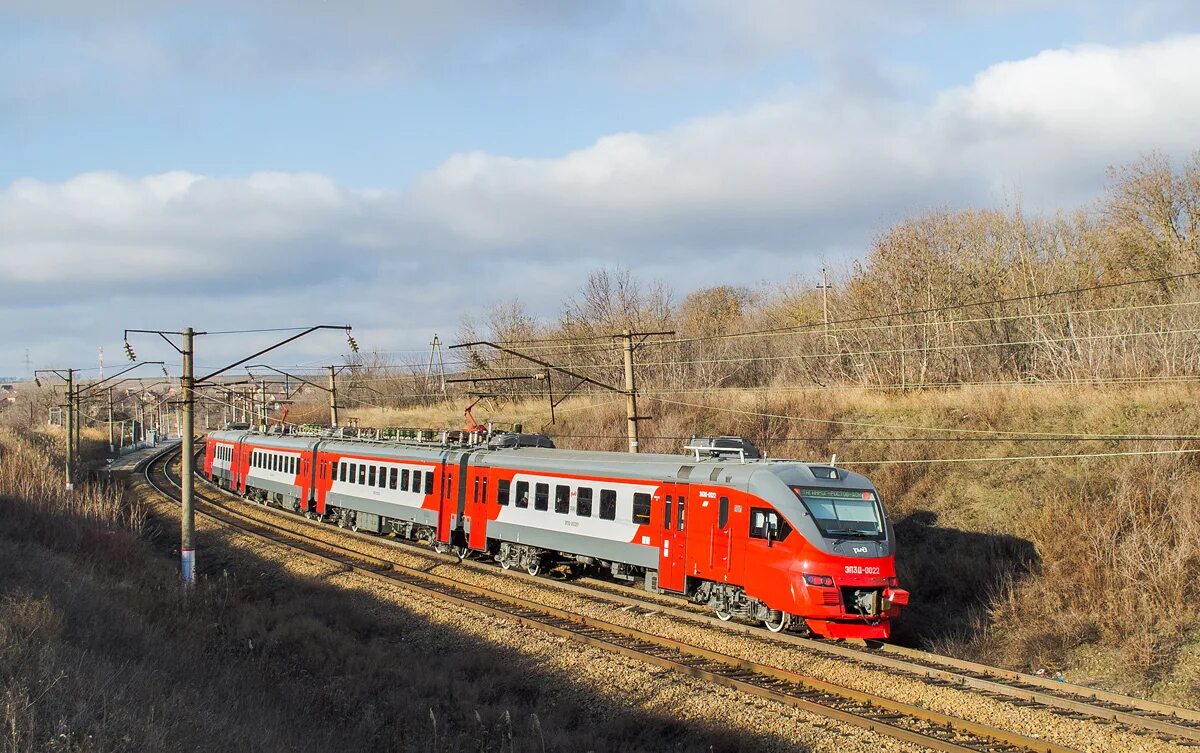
x,y
78,425
333,404
187,549
112,441
70,429
631,413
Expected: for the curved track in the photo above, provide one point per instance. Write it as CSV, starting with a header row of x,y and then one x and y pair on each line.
x,y
882,715
1177,725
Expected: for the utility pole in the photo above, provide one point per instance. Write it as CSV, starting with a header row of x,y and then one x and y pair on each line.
x,y
824,288
187,550
71,420
631,414
435,352
111,439
630,390
333,404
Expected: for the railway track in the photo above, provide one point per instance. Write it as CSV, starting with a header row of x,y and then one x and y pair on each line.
x,y
882,715
1171,724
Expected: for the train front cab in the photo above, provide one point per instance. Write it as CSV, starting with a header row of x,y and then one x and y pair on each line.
x,y
820,547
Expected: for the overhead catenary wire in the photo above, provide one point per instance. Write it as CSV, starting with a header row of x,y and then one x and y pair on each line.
x,y
1005,458
813,330
904,427
797,328
889,351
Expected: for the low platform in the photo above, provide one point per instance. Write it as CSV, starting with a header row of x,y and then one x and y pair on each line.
x,y
123,467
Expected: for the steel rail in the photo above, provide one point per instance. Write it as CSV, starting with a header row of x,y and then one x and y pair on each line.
x,y
885,716
1178,725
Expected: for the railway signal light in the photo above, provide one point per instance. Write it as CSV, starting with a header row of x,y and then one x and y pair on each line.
x,y
129,351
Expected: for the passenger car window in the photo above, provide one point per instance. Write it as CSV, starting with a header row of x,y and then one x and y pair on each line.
x,y
362,474
429,482
502,490
641,508
608,504
342,470
522,494
404,480
371,476
583,502
393,478
541,497
562,499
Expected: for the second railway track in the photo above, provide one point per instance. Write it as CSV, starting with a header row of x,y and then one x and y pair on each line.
x,y
882,715
1176,725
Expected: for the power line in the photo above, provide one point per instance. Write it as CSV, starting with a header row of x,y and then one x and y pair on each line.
x,y
892,351
948,307
1077,456
903,427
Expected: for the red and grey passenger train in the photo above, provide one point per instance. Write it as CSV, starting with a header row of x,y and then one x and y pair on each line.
x,y
792,544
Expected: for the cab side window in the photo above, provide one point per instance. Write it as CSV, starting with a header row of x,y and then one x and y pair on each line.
x,y
762,519
723,513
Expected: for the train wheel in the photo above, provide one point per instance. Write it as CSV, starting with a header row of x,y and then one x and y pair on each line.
x,y
534,568
462,552
505,565
724,615
784,620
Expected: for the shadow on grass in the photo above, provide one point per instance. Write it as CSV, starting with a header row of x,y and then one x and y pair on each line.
x,y
952,576
100,652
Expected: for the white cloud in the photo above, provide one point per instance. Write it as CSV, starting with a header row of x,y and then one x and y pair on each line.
x,y
739,196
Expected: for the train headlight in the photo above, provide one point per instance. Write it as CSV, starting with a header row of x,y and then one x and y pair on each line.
x,y
819,580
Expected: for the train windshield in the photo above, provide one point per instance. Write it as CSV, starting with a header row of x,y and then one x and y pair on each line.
x,y
842,513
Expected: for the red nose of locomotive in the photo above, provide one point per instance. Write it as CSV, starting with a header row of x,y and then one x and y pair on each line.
x,y
858,600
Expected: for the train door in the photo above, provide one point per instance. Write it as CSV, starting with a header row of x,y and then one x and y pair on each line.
x,y
241,467
711,542
476,516
672,569
454,498
447,507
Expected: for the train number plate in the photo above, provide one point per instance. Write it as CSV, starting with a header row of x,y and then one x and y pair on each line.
x,y
861,570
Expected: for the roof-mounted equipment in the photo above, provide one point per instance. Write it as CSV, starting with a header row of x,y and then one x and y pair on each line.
x,y
717,447
519,439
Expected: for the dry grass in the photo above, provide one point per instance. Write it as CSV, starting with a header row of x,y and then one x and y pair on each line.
x,y
100,652
1091,566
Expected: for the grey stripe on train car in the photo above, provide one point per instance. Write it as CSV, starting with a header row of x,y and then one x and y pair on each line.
x,y
290,490
387,509
574,543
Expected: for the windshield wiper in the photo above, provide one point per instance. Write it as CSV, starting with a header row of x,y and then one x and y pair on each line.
x,y
845,534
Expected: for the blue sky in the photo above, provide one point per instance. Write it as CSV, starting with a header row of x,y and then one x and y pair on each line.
x,y
360,152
